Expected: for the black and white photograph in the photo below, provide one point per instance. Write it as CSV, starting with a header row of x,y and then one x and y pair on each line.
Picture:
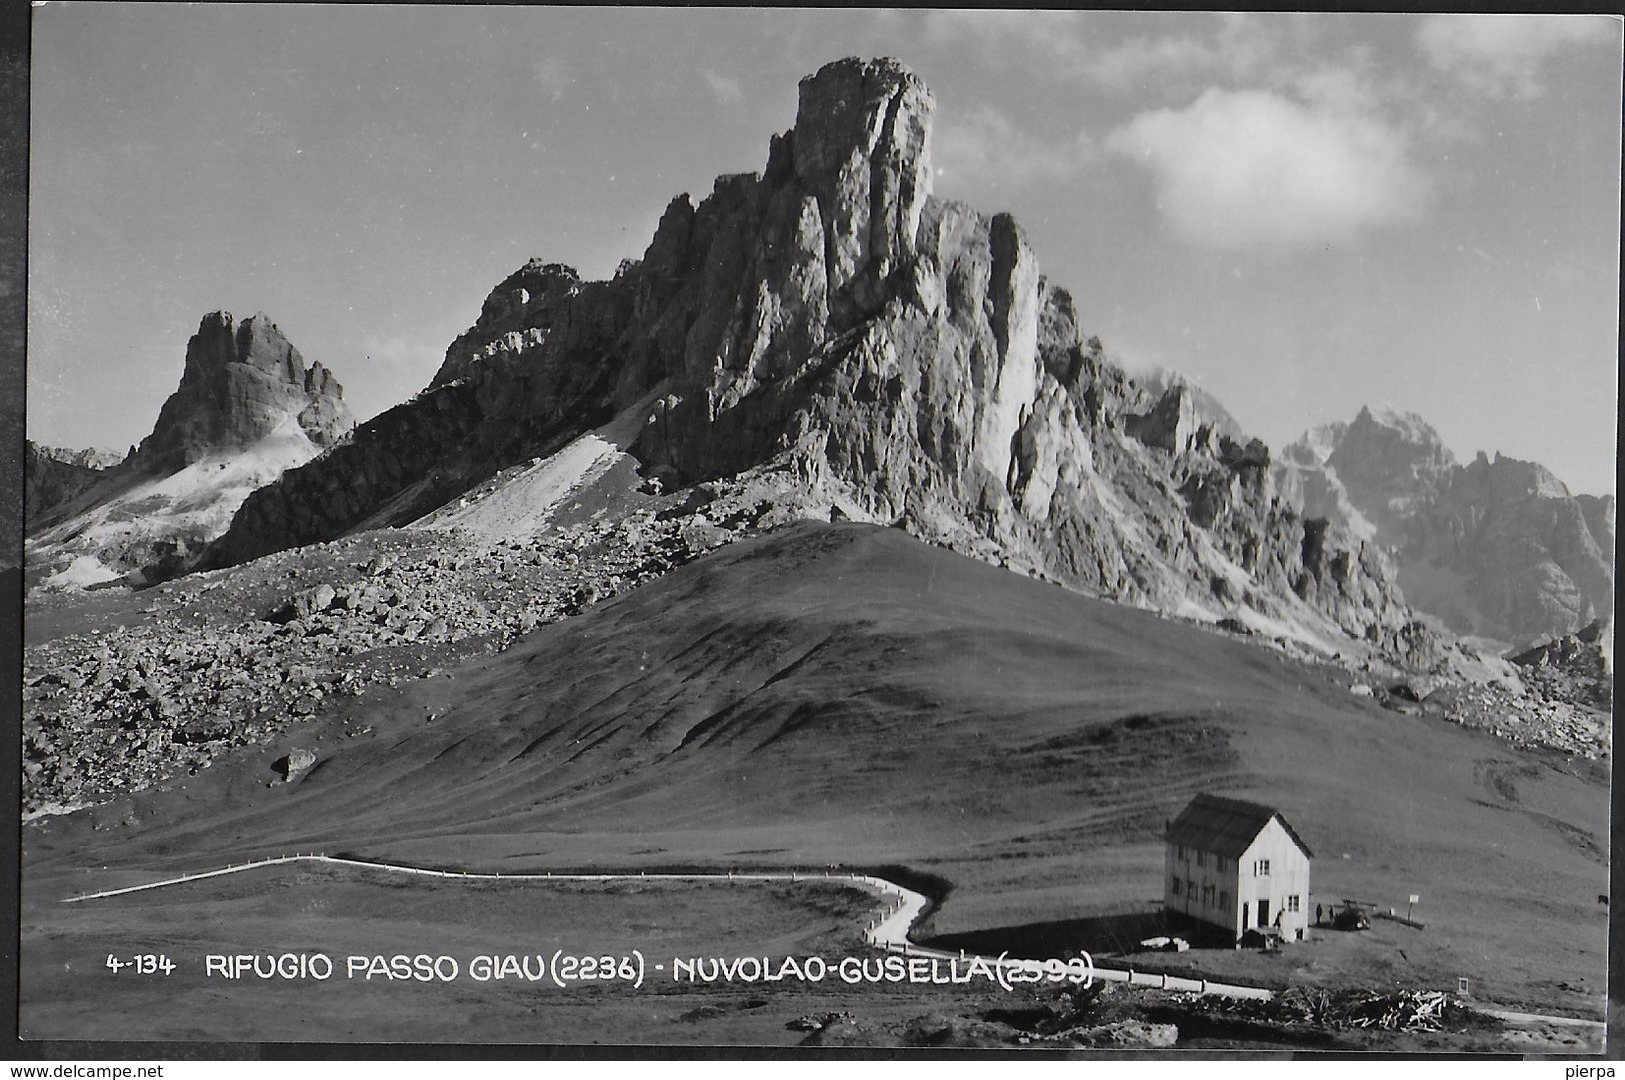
x,y
745,530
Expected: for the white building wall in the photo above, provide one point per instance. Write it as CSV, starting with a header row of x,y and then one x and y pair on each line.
x,y
1201,875
1238,885
1287,878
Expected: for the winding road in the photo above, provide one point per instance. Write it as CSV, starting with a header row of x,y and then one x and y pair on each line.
x,y
889,930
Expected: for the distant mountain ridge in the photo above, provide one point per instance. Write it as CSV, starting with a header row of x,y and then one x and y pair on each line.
x,y
1496,548
846,342
52,475
94,457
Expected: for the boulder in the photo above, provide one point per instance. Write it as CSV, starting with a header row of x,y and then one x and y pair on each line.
x,y
296,764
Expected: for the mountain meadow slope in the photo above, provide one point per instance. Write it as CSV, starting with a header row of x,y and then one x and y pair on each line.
x,y
843,694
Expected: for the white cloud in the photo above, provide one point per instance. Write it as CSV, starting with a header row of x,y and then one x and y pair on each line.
x,y
726,90
985,147
1240,169
1502,55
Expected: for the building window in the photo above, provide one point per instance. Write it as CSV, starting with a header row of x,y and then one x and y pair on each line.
x,y
1261,868
1218,863
1292,903
1182,855
1224,898
1174,890
1199,862
1207,895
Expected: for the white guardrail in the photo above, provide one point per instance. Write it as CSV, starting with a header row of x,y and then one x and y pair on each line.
x,y
888,931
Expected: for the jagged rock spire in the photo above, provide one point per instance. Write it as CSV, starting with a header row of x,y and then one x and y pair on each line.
x,y
241,381
833,321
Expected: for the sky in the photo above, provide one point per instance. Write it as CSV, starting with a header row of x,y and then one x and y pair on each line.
x,y
1302,213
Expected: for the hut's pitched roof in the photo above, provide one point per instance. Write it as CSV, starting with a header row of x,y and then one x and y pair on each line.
x,y
1226,826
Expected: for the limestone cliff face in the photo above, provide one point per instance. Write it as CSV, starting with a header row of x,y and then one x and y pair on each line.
x,y
900,356
1497,547
241,382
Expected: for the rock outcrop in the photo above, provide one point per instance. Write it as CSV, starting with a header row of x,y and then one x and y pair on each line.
x,y
880,352
242,382
1496,548
1209,410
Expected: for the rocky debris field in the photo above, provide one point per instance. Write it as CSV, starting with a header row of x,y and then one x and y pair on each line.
x,y
1527,715
1533,717
231,658
1573,667
1559,697
207,663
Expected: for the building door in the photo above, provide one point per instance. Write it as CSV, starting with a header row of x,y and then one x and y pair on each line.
x,y
1244,915
1263,913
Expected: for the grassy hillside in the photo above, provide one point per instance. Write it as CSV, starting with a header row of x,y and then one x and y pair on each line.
x,y
844,694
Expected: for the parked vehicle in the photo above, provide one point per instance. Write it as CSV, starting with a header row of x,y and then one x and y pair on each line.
x,y
1351,916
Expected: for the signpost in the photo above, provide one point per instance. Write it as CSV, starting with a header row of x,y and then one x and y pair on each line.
x,y
1414,900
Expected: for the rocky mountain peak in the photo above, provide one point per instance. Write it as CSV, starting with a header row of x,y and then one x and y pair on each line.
x,y
241,382
1512,478
1497,548
1384,443
861,147
518,313
248,408
829,336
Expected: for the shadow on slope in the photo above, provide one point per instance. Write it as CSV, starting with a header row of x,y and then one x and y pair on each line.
x,y
1098,935
843,694
843,682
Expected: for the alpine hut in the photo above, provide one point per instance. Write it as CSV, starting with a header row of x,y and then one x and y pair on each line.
x,y
1237,866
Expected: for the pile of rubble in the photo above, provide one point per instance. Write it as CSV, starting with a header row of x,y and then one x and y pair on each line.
x,y
1408,1010
1340,1010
